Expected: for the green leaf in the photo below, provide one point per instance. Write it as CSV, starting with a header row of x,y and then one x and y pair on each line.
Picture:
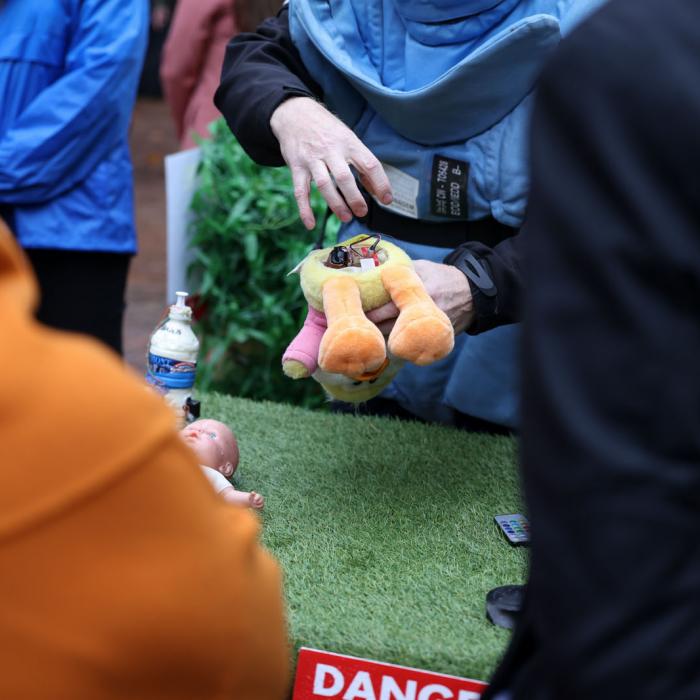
x,y
250,245
247,236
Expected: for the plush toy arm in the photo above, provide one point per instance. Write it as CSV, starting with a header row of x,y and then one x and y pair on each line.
x,y
300,359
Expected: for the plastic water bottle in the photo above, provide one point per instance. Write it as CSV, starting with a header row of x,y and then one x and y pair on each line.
x,y
172,358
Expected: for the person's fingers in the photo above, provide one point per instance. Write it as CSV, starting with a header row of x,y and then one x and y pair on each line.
x,y
427,268
371,173
301,180
387,312
314,142
347,184
326,186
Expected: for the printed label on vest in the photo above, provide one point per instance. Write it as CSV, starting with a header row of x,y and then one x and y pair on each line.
x,y
405,190
171,374
448,188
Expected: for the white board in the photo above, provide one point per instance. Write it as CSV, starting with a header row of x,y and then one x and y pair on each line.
x,y
180,186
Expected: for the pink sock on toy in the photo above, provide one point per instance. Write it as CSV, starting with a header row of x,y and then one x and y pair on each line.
x,y
304,347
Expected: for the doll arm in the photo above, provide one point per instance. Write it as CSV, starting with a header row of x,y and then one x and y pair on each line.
x,y
243,498
300,359
223,487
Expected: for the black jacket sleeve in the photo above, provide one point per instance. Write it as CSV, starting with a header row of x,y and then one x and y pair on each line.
x,y
261,70
502,264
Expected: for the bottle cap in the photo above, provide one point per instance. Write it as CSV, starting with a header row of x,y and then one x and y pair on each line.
x,y
179,310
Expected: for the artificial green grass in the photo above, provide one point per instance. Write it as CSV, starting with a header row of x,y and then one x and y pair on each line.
x,y
384,530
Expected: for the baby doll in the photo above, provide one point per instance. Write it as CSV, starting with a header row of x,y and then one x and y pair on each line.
x,y
217,451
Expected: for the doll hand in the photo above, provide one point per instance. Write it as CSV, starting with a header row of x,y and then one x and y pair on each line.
x,y
255,500
317,146
448,288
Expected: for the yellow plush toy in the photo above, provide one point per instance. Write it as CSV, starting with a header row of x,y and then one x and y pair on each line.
x,y
338,345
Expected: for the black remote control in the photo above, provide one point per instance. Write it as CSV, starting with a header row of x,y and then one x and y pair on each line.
x,y
515,527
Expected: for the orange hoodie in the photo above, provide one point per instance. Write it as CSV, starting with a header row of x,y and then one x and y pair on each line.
x,y
122,575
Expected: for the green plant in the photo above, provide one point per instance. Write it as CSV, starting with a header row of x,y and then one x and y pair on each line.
x,y
246,236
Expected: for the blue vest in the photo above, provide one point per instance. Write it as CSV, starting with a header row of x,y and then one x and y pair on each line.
x,y
439,91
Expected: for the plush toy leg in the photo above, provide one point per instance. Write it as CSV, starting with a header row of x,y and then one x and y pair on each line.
x,y
422,333
352,345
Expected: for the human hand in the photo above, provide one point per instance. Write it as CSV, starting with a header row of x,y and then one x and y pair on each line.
x,y
317,146
448,288
255,500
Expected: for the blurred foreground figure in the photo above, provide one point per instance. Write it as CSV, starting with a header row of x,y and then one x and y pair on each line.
x,y
68,76
193,55
611,434
123,574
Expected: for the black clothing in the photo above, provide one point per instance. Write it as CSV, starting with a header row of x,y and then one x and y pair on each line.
x,y
261,70
149,83
82,291
448,234
7,215
268,60
504,267
611,405
387,408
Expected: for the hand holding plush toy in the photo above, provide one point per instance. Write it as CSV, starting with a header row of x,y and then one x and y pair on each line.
x,y
217,451
338,345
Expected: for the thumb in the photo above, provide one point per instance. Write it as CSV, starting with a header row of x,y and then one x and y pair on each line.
x,y
383,313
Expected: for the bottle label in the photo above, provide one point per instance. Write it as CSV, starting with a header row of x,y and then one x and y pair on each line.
x,y
163,372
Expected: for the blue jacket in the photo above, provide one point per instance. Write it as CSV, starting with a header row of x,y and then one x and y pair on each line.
x,y
69,71
439,91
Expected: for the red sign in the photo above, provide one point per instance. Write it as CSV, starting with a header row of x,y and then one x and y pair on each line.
x,y
322,675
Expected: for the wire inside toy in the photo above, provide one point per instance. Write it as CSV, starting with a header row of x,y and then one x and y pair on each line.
x,y
365,258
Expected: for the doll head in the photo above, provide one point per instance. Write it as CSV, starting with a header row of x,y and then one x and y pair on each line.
x,y
213,443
